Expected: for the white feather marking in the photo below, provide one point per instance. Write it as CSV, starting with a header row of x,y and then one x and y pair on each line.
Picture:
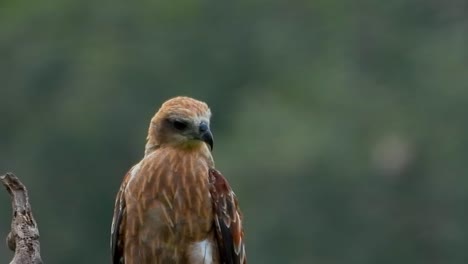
x,y
204,118
201,252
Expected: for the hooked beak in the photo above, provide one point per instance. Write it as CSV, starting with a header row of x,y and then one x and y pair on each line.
x,y
205,134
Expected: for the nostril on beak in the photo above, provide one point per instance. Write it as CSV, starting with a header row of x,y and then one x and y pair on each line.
x,y
203,127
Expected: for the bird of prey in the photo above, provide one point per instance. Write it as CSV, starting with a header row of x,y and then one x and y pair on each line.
x,y
174,206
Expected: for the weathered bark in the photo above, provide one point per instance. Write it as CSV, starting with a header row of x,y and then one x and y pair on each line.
x,y
23,238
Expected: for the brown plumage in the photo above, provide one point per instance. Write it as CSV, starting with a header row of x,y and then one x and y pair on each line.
x,y
173,206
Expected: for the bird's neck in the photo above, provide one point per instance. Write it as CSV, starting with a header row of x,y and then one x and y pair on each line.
x,y
150,147
199,148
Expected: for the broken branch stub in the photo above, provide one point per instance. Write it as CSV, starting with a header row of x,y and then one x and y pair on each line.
x,y
23,238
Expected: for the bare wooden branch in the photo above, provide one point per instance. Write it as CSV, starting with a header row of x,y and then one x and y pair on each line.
x,y
24,235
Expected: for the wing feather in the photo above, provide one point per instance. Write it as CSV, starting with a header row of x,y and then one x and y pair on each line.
x,y
228,221
118,223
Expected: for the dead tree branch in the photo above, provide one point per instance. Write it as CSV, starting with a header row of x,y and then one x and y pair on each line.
x,y
23,238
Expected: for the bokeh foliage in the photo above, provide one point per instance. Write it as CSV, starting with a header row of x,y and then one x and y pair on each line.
x,y
341,125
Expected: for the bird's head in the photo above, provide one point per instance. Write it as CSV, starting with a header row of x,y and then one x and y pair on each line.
x,y
181,122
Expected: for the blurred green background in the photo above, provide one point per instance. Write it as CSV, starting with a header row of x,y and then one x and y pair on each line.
x,y
341,125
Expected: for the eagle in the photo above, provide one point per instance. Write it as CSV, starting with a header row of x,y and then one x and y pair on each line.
x,y
174,206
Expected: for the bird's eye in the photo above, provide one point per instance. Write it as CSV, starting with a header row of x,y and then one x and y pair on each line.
x,y
179,125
